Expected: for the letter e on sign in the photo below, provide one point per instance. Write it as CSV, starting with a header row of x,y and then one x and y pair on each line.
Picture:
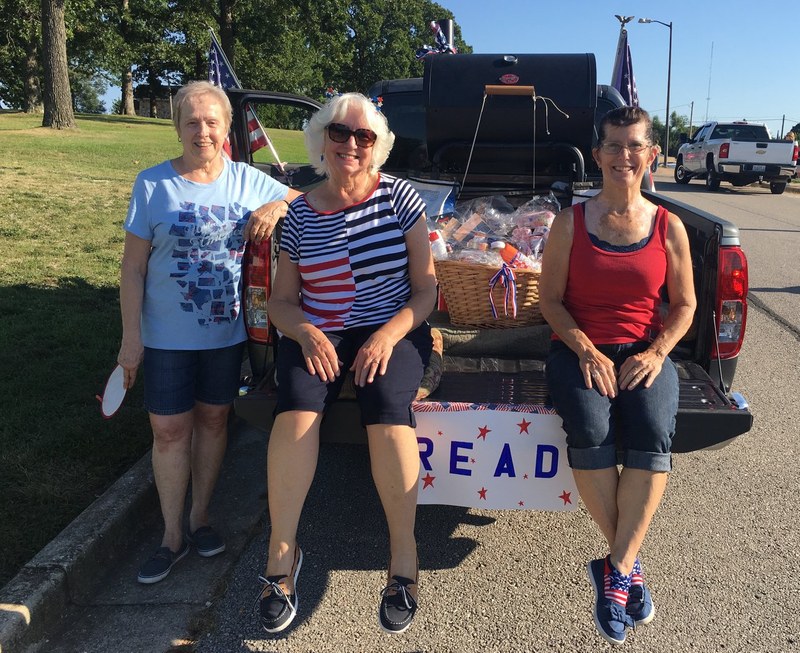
x,y
455,458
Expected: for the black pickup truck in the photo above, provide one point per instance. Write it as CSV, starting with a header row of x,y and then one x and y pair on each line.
x,y
517,126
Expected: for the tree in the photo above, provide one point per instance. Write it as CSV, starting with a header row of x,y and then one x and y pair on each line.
x,y
677,125
20,39
87,89
302,46
57,98
307,45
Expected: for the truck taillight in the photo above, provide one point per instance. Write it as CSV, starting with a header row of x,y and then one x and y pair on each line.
x,y
724,149
256,285
795,154
731,301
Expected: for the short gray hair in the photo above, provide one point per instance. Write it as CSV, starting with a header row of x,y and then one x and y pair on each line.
x,y
624,117
195,89
335,110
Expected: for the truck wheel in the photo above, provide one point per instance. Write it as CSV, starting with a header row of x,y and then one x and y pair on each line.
x,y
777,187
712,180
681,175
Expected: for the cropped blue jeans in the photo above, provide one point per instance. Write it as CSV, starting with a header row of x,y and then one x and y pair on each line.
x,y
634,429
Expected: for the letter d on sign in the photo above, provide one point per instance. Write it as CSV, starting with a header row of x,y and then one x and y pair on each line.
x,y
546,453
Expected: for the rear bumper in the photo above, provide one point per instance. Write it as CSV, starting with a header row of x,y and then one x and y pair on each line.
x,y
751,172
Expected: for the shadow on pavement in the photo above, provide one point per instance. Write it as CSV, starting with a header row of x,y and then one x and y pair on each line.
x,y
343,527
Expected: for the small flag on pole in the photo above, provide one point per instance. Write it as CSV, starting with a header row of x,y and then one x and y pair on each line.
x,y
622,77
443,35
220,73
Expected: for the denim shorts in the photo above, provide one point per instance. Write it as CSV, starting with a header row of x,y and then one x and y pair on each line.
x,y
174,379
634,429
387,400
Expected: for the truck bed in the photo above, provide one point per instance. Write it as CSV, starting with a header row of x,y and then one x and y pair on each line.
x,y
506,366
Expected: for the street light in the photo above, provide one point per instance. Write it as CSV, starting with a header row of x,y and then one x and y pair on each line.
x,y
669,76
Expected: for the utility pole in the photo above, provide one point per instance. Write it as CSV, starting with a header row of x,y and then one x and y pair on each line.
x,y
710,64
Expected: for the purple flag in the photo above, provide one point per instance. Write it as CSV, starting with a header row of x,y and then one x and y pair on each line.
x,y
622,77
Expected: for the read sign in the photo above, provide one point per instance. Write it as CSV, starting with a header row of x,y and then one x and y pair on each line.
x,y
498,457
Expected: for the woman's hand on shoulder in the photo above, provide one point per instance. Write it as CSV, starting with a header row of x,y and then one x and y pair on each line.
x,y
263,220
319,353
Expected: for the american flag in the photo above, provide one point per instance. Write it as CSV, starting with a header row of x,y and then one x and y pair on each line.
x,y
220,73
622,77
442,45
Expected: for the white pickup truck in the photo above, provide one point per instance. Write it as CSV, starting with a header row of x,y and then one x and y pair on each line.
x,y
738,152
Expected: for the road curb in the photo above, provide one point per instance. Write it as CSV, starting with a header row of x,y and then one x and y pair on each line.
x,y
32,602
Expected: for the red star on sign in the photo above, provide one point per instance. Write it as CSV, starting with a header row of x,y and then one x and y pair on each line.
x,y
482,493
483,431
427,480
525,476
472,460
521,504
523,426
565,497
439,433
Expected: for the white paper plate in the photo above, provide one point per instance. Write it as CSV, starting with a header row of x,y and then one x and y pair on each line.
x,y
114,392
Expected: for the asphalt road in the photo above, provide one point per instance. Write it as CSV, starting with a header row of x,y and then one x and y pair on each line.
x,y
721,558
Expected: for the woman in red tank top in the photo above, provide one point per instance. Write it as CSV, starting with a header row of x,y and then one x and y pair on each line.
x,y
607,265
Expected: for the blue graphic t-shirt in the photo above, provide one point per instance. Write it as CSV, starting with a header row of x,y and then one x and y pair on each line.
x,y
192,290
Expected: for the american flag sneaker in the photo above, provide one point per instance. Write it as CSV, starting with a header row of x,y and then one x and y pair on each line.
x,y
640,604
610,617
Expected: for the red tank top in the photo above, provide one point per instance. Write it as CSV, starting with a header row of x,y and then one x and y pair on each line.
x,y
615,297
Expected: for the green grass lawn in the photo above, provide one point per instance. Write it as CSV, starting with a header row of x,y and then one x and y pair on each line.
x,y
63,198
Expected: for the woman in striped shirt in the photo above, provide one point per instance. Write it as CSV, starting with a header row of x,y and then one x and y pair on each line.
x,y
354,286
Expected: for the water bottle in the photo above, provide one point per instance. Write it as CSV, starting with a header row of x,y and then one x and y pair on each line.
x,y
438,246
512,256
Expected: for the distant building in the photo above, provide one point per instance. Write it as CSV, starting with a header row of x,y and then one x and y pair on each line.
x,y
157,107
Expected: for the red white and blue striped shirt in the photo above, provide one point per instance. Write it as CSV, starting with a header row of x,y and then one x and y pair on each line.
x,y
353,262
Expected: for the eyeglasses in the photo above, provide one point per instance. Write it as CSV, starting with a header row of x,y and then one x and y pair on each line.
x,y
616,148
339,133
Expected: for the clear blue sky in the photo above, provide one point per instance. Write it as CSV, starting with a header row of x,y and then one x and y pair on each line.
x,y
753,72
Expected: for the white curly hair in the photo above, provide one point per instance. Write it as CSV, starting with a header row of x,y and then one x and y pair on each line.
x,y
334,111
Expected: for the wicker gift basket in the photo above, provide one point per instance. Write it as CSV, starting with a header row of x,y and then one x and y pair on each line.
x,y
466,287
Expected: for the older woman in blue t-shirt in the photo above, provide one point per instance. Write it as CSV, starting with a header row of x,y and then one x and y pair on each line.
x,y
187,225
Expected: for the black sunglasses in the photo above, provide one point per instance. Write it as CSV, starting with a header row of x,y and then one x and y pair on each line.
x,y
339,133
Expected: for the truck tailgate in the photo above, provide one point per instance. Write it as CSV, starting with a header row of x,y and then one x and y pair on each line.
x,y
767,152
706,417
